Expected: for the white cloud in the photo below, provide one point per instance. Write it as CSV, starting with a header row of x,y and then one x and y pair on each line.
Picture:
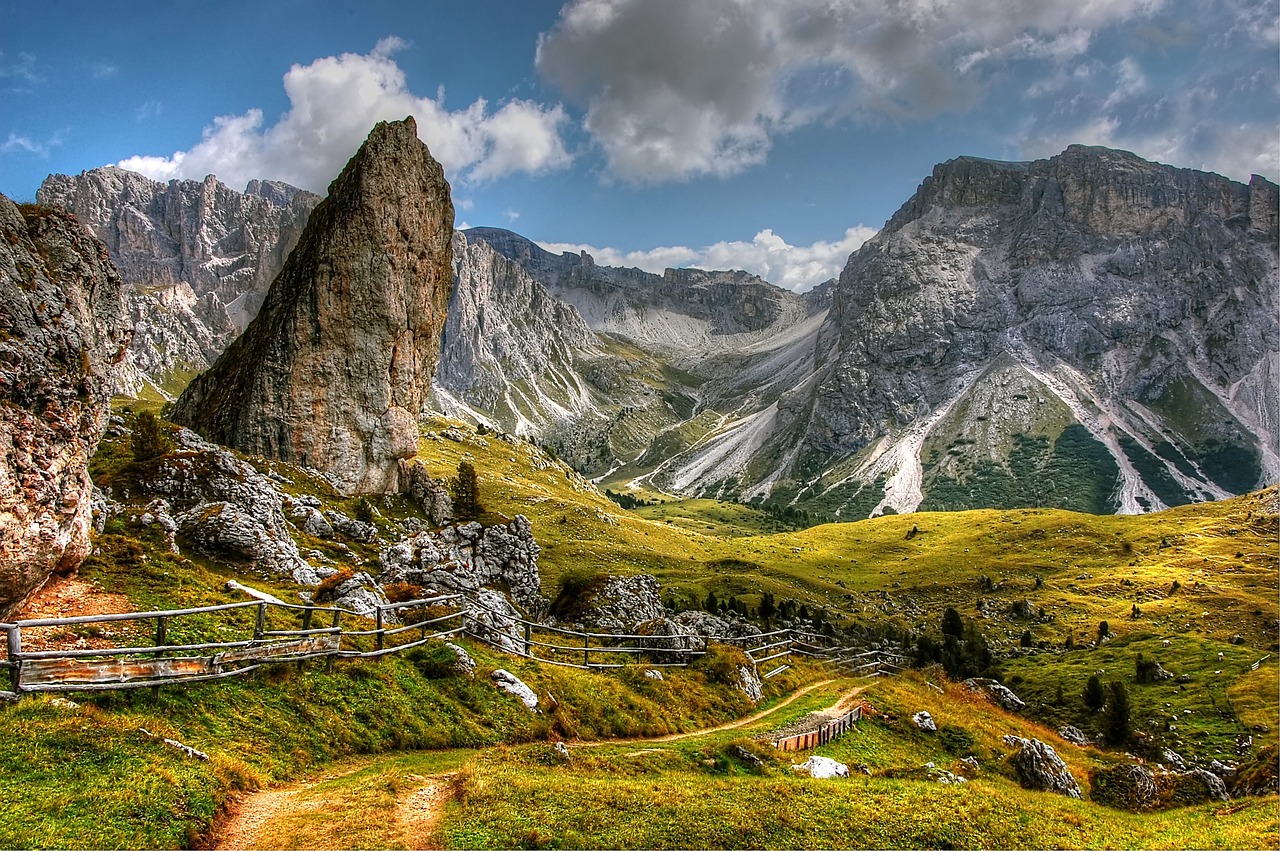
x,y
1194,126
674,89
103,70
335,101
21,68
17,143
767,255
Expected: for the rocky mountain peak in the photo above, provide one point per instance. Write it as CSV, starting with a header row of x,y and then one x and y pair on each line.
x,y
334,370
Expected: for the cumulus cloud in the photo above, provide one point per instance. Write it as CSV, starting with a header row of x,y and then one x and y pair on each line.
x,y
674,90
767,255
335,100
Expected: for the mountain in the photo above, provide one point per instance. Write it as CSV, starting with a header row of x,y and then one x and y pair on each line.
x,y
1091,331
63,328
334,370
197,257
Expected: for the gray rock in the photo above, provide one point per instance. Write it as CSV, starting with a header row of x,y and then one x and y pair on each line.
x,y
513,685
620,603
491,618
1000,693
370,278
426,493
1040,768
352,530
1173,759
822,768
749,684
468,558
653,674
1223,770
1074,735
360,594
924,721
711,626
465,664
562,751
311,521
63,328
1214,787
226,529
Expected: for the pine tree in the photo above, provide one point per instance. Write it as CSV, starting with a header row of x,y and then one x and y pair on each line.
x,y
767,606
1116,722
149,439
466,491
1094,696
952,623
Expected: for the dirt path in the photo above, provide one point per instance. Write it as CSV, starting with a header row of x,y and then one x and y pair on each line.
x,y
732,725
416,815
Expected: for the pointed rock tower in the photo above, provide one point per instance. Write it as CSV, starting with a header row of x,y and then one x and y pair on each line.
x,y
335,368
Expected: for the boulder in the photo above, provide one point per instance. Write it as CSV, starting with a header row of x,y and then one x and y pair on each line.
x,y
1074,735
425,492
465,664
749,684
924,721
1040,768
63,330
513,685
821,768
1000,693
620,603
222,506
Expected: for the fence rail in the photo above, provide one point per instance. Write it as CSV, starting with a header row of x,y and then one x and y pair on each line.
x,y
171,647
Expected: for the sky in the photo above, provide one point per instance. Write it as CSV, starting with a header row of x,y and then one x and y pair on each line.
x,y
769,135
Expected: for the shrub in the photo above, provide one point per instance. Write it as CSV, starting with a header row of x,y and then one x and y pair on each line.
x,y
576,588
402,592
330,583
957,740
150,439
363,510
434,660
720,664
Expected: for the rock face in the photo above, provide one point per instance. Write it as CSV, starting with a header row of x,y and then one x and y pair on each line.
x,y
1039,767
197,257
63,329
334,370
1134,301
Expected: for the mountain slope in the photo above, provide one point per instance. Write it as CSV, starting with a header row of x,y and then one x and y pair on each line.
x,y
1006,303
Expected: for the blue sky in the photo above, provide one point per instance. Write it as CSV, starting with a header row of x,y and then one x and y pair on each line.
x,y
771,135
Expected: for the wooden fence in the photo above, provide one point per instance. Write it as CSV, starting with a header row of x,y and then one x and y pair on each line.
x,y
267,632
170,647
812,739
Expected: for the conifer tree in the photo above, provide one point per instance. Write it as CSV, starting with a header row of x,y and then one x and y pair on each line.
x,y
466,491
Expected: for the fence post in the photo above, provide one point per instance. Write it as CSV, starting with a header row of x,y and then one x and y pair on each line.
x,y
328,662
162,636
378,621
15,659
306,617
528,639
586,651
260,623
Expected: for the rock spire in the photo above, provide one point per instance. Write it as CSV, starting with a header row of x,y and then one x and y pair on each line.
x,y
335,368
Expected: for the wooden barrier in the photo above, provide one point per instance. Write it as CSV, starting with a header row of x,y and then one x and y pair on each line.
x,y
265,639
827,732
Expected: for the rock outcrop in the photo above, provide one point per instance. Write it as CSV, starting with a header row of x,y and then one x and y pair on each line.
x,y
63,329
220,505
197,258
1040,768
469,557
334,370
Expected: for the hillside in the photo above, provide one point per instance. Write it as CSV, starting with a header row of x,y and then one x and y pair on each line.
x,y
867,575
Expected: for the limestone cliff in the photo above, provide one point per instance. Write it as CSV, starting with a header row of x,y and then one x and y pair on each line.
x,y
196,255
63,327
334,370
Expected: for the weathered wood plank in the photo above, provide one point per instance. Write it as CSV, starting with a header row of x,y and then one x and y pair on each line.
x,y
36,672
282,649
